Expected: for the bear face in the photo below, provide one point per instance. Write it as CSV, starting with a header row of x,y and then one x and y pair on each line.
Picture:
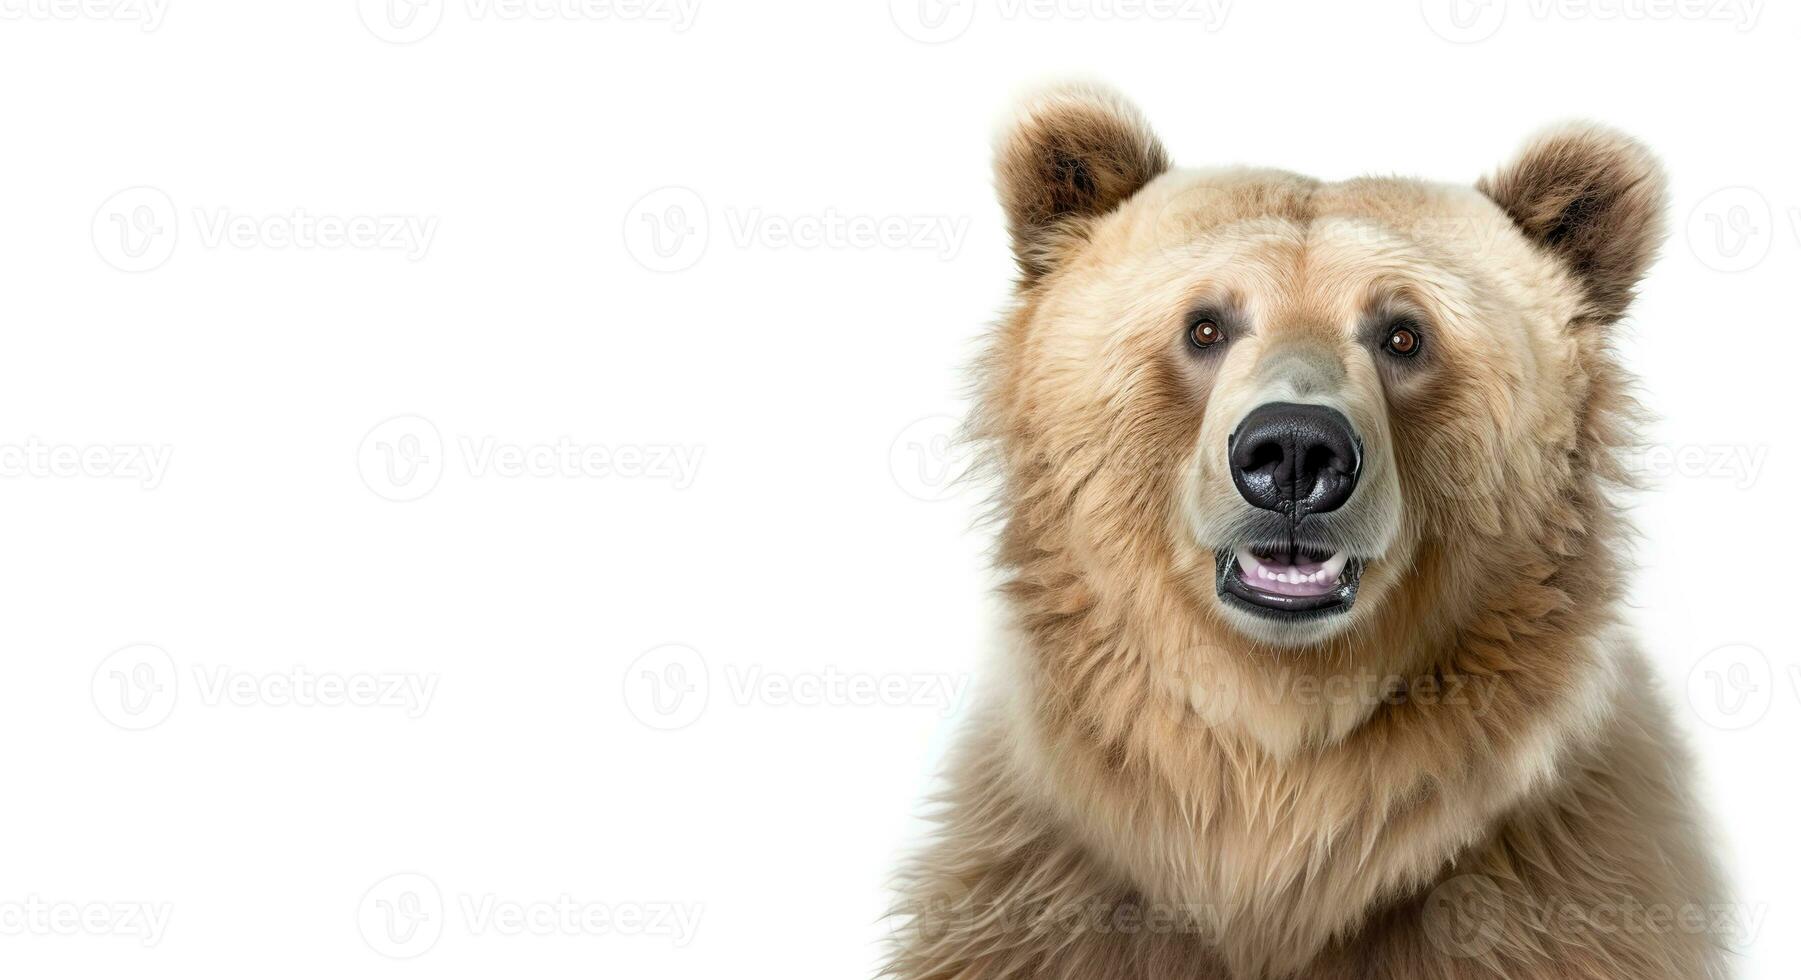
x,y
1302,412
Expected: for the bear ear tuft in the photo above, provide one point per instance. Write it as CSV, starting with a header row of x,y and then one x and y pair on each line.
x,y
1593,197
1071,155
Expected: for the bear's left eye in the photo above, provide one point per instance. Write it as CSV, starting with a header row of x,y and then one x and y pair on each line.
x,y
1206,332
1403,340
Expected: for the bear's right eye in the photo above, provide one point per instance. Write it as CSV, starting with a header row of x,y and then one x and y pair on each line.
x,y
1206,332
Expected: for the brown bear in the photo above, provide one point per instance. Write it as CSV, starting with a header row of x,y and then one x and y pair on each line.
x,y
1308,519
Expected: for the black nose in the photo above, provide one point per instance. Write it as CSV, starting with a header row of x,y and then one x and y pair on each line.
x,y
1297,459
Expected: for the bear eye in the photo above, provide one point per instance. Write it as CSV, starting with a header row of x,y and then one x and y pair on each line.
x,y
1403,340
1206,333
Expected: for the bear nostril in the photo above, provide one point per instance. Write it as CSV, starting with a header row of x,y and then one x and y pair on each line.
x,y
1266,456
1296,459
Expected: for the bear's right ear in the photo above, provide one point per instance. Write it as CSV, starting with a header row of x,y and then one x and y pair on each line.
x,y
1073,154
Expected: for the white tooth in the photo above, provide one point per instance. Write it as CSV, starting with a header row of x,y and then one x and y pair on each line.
x,y
1248,562
1335,565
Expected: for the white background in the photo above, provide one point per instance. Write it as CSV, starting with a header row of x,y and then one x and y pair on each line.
x,y
644,234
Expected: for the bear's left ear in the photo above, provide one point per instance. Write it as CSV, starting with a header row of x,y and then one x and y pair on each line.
x,y
1072,154
1595,199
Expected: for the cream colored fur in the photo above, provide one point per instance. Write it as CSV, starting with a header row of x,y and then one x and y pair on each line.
x,y
1471,774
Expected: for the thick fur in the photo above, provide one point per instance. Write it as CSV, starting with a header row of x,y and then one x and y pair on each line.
x,y
1475,776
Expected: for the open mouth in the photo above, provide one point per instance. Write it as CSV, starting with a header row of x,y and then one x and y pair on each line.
x,y
1289,581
